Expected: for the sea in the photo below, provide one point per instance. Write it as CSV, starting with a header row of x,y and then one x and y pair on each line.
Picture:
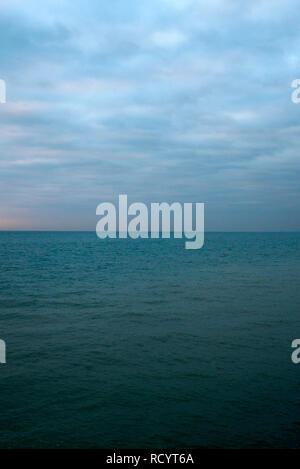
x,y
122,343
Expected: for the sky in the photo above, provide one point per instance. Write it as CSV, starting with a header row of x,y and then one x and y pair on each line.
x,y
162,100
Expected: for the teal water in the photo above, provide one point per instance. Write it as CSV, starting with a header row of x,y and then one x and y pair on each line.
x,y
141,343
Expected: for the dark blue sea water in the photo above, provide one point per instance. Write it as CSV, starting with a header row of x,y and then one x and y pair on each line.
x,y
141,343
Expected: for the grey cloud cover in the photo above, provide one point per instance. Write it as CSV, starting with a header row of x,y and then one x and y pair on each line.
x,y
181,100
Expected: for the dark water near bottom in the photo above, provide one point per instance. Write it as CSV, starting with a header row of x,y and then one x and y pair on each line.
x,y
127,344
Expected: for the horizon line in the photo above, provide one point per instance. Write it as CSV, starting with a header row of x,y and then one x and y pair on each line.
x,y
117,232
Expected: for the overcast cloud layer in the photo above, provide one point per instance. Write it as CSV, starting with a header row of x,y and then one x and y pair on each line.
x,y
165,100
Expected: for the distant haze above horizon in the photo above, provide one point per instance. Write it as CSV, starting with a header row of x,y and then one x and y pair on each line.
x,y
163,100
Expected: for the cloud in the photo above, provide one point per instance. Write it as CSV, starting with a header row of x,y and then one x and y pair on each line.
x,y
164,100
168,38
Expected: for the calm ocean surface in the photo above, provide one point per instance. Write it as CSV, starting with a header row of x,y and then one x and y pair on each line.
x,y
141,343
